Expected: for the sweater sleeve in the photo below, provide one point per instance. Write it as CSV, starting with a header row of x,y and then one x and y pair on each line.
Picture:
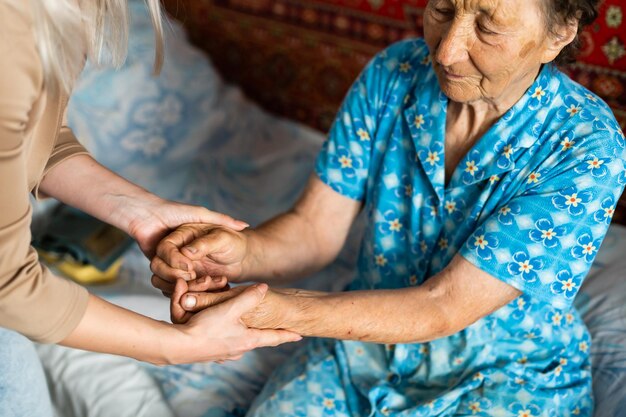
x,y
33,301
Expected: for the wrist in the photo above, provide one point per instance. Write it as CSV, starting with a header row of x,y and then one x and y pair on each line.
x,y
172,345
250,262
132,212
300,310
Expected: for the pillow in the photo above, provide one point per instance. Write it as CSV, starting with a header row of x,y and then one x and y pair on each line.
x,y
148,129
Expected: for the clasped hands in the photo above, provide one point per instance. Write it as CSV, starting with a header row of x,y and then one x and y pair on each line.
x,y
193,267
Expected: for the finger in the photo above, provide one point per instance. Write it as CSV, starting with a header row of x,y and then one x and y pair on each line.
x,y
169,247
197,301
207,283
177,312
161,268
212,242
222,219
161,284
274,337
166,294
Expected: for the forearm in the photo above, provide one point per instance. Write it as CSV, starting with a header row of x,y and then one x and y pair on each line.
x,y
302,240
108,328
408,315
82,182
444,304
285,249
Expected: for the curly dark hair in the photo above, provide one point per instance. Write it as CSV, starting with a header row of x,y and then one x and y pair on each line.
x,y
562,12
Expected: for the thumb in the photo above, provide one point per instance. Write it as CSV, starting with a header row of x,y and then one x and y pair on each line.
x,y
203,215
178,314
197,301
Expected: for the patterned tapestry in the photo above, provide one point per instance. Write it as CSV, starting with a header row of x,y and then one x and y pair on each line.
x,y
601,65
298,57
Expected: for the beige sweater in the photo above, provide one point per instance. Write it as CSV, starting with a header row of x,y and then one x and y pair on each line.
x,y
33,139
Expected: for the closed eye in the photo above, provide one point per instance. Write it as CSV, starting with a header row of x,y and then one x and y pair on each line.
x,y
482,29
444,12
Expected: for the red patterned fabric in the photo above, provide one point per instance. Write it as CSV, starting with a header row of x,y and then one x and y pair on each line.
x,y
601,65
604,42
297,58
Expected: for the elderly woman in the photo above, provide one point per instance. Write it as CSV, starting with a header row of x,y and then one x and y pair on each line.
x,y
488,178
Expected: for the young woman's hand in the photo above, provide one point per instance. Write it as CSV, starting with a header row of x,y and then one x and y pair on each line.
x,y
214,334
219,332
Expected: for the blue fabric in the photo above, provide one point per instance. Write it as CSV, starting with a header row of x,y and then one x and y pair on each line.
x,y
530,204
23,389
149,129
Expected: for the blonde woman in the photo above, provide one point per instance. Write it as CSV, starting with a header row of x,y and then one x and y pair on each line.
x,y
43,45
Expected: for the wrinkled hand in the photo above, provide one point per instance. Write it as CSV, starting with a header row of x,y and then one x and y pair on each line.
x,y
199,251
265,315
276,310
218,333
156,218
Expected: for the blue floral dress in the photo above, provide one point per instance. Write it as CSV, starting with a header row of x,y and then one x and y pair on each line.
x,y
529,204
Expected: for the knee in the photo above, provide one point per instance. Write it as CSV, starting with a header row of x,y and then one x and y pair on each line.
x,y
17,353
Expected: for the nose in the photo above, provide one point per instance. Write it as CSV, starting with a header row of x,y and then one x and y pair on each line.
x,y
453,46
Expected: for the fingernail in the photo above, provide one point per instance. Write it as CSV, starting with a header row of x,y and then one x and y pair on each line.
x,y
191,249
190,301
216,279
244,224
201,280
183,266
186,277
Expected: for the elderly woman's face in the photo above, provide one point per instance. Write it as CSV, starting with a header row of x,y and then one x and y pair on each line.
x,y
482,49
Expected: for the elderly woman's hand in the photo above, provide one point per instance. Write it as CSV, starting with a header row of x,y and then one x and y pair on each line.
x,y
153,218
206,254
277,310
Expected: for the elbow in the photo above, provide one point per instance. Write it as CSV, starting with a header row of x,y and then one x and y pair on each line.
x,y
440,323
443,319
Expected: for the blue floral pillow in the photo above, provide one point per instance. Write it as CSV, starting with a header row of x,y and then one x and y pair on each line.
x,y
146,128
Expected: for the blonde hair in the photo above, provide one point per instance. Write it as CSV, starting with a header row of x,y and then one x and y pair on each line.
x,y
68,31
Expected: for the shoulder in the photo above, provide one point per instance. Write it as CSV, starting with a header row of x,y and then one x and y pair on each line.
x,y
15,18
413,51
17,35
401,59
578,98
395,71
21,73
581,116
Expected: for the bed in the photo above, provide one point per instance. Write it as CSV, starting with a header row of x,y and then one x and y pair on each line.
x,y
192,136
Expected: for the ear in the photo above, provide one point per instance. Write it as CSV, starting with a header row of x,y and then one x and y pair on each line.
x,y
559,38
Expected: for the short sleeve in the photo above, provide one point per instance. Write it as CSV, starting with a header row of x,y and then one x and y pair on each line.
x,y
65,147
544,239
346,157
